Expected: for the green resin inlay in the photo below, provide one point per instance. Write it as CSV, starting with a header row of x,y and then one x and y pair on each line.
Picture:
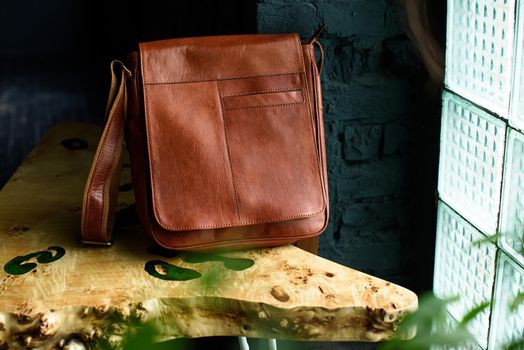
x,y
19,266
235,264
166,271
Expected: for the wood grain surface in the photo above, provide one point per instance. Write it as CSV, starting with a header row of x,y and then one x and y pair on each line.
x,y
57,293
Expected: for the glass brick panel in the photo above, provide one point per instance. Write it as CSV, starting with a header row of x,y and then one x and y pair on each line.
x,y
451,324
471,156
512,212
517,107
472,346
469,346
507,325
463,268
479,51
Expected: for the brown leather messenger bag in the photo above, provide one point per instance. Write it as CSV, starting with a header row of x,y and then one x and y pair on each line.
x,y
226,142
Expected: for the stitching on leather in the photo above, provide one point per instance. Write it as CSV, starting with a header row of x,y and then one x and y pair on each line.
x,y
243,223
237,206
215,79
256,92
300,52
282,105
313,68
324,199
149,161
237,241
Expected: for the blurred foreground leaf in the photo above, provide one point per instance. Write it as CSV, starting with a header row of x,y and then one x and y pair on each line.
x,y
489,239
516,345
424,342
473,313
432,329
519,299
141,337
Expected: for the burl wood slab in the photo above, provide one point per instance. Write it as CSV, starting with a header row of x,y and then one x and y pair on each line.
x,y
57,293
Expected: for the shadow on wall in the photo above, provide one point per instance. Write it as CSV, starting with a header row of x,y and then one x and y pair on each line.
x,y
54,61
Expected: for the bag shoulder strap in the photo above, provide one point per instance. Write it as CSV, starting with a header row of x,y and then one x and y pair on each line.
x,y
101,190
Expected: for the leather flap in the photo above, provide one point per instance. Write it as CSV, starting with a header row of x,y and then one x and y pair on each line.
x,y
230,131
220,57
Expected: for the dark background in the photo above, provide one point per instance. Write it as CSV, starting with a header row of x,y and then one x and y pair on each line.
x,y
382,115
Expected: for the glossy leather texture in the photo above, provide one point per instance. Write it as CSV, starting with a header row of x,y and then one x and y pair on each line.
x,y
226,141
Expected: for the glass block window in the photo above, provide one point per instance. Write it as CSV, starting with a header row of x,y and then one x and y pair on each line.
x,y
512,212
471,156
459,347
479,51
517,108
508,316
463,268
451,324
481,172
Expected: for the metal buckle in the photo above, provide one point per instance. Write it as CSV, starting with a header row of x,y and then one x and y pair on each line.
x,y
105,244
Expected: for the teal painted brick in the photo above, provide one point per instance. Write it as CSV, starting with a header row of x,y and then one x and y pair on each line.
x,y
348,57
371,98
362,142
396,137
369,217
377,178
357,17
287,16
378,258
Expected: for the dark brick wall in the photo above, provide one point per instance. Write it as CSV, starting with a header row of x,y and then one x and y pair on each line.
x,y
369,78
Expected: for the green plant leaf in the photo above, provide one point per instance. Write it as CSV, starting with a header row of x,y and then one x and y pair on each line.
x,y
493,239
424,342
519,299
468,317
141,337
430,309
212,279
516,345
429,320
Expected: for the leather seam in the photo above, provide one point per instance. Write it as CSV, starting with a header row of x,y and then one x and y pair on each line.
x,y
300,52
282,105
235,194
146,133
237,241
314,75
256,92
243,223
315,140
217,79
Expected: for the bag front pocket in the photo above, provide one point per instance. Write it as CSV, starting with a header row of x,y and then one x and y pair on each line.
x,y
261,100
273,154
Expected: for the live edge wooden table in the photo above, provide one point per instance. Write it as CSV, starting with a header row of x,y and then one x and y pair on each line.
x,y
57,293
